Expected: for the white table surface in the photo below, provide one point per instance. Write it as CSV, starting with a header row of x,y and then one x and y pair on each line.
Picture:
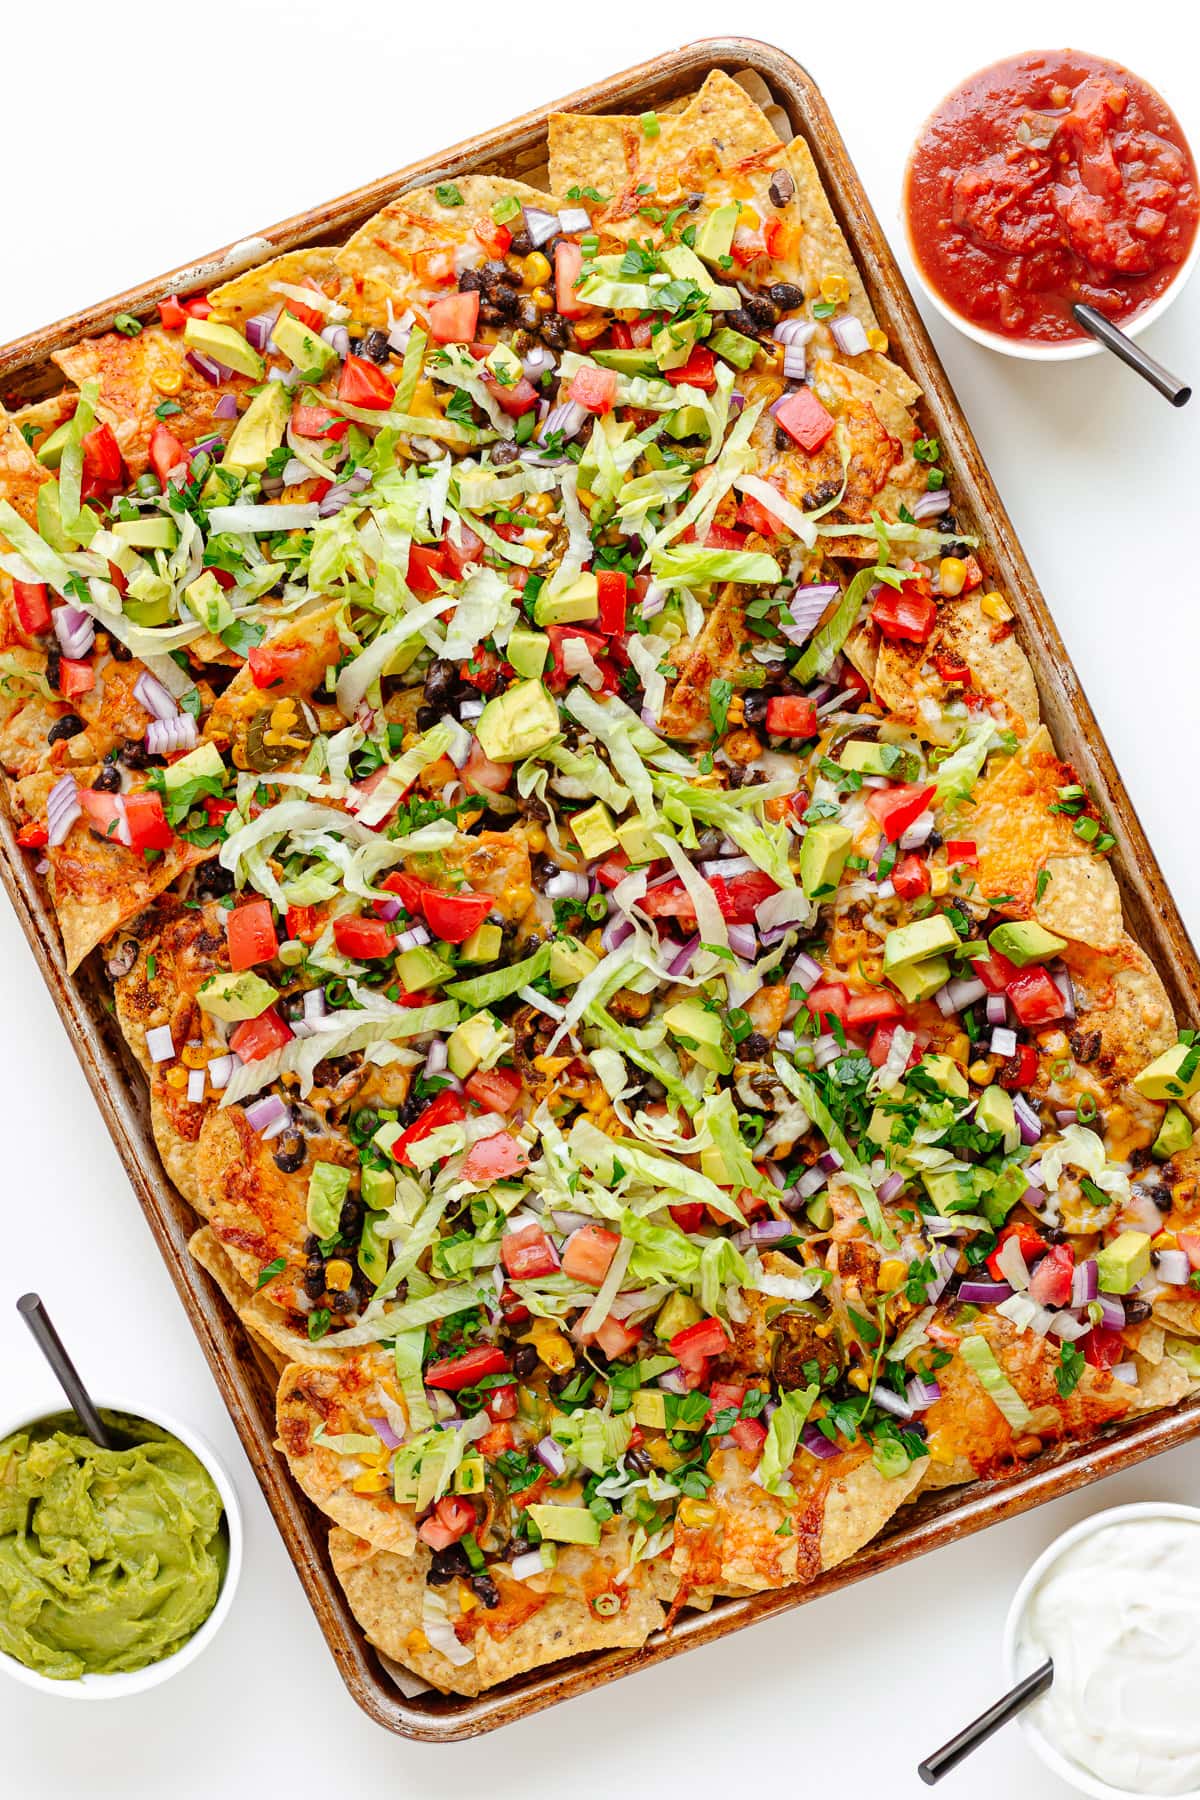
x,y
142,137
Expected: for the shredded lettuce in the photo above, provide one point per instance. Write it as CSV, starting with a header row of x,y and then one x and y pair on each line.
x,y
694,565
956,776
783,1439
978,1355
824,645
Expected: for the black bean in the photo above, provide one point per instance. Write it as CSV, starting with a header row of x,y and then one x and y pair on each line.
x,y
445,1564
638,1461
314,1283
291,1152
754,708
440,679
134,755
934,841
506,302
346,1302
1136,1311
754,1047
786,295
121,960
376,347
1085,1045
524,1360
782,188
212,881
740,320
350,1217
354,347
54,667
119,652
522,244
555,331
470,282
312,1245
762,311
69,726
485,1589
782,440
503,454
427,717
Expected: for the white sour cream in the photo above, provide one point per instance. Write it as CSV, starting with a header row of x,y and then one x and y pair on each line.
x,y
1119,1613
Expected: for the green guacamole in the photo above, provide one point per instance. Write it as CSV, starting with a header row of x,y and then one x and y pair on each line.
x,y
109,1559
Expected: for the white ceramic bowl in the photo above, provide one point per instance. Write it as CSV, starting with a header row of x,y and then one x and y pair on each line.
x,y
1065,1767
1070,349
117,1687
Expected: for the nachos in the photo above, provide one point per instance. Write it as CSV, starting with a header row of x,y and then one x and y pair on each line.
x,y
641,1009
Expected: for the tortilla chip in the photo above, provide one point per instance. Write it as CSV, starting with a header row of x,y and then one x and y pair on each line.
x,y
1178,1315
859,1503
715,653
1162,1384
343,1397
905,674
255,292
312,640
1119,995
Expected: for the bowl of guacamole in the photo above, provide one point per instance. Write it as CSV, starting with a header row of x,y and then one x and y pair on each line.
x,y
117,1567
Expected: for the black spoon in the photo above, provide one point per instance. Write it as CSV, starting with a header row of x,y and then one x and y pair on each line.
x,y
50,1344
1105,332
980,1729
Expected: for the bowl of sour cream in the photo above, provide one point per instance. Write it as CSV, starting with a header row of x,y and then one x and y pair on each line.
x,y
1115,1603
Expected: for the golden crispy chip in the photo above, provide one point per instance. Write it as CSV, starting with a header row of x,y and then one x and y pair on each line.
x,y
715,654
906,676
1119,996
858,1504
345,1398
255,291
206,1247
1178,1315
1165,1383
137,375
305,646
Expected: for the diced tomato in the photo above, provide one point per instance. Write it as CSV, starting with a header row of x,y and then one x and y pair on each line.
x,y
103,812
103,467
749,1434
804,419
32,601
1020,1071
273,664
500,1438
720,537
699,371
305,923
495,1090
1028,1237
436,268
215,810
960,850
171,313
911,877
513,1307
75,678
1034,998
410,890
558,676
791,715
494,1158
754,516
696,1344
165,452
364,383
147,822
588,1252
951,668
425,561
250,933
896,808
453,917
723,1394
318,422
740,896
255,1038
995,971
480,772
1050,1282
515,399
496,239
594,388
973,576
1189,1243
689,1215
463,550
747,246
613,870
364,939
905,613
446,1109
568,266
620,336
670,901
615,1338
454,1372
449,1522
1102,1348
528,1253
501,1404
199,306
34,835
880,1046
311,316
484,670
878,1008
612,589
117,576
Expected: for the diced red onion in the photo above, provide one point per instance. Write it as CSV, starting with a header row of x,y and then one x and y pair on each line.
x,y
1085,1282
154,696
75,630
470,710
654,599
794,331
384,1432
957,994
742,941
805,972
1066,1327
795,362
164,737
1066,987
1127,1372
568,417
436,1057
918,832
816,1443
316,1006
850,335
922,1394
890,1186
207,367
681,962
673,1381
160,1045
996,1009
889,1401
537,361
551,1456
220,1069
540,225
931,505
226,407
258,332
806,605
763,1231
195,1086
389,909
338,339
527,1565
1174,1267
62,809
826,1050
268,1116
1004,1042
616,930
1028,1123
413,938
1112,1312
572,219
830,1161
945,1264
984,1293
726,866
568,884
810,1182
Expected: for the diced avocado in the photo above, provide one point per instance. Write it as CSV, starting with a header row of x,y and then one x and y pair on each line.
x,y
260,429
867,758
944,1188
685,265
880,1126
701,1031
1174,1134
517,722
484,944
373,1249
676,1314
626,362
688,421
378,1189
527,651
593,830
1173,1075
715,237
226,344
578,602
472,1042
566,1524
328,1185
820,1212
469,1477
50,454
918,980
206,600
1122,1263
650,1408
674,342
823,857
422,968
712,1165
995,1113
504,364
910,943
945,1074
570,961
149,612
307,349
236,995
1024,942
638,838
204,760
153,531
736,349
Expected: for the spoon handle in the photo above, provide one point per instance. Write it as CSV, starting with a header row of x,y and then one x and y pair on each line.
x,y
980,1729
38,1320
1168,385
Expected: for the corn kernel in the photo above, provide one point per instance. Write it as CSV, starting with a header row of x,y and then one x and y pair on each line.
x,y
939,1452
338,1275
1164,1240
167,381
662,1455
194,1056
552,1065
551,1346
536,838
878,340
538,504
542,299
981,1073
892,1273
466,1599
587,329
860,1379
416,1641
737,711
952,572
749,218
535,269
995,606
959,1047
375,1481
586,497
835,289
939,880
177,1077
697,1514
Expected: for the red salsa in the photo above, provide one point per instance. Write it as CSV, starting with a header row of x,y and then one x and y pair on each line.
x,y
1048,179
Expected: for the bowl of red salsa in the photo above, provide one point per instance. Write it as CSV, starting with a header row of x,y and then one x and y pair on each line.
x,y
1044,180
